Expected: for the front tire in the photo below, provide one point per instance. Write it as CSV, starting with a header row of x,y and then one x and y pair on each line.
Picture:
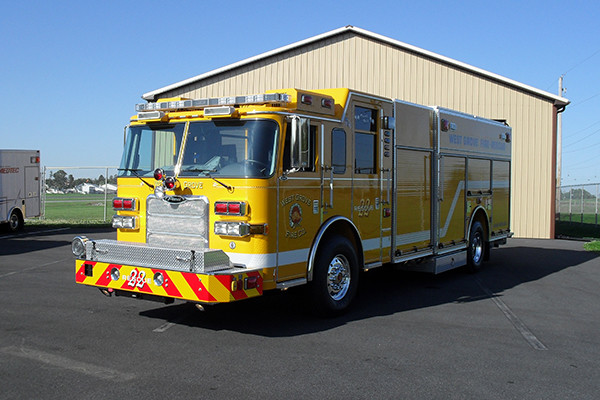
x,y
477,248
15,221
335,277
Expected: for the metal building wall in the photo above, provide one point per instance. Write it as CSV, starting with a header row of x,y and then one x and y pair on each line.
x,y
368,65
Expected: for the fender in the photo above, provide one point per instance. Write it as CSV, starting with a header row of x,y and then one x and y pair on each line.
x,y
322,230
5,218
487,217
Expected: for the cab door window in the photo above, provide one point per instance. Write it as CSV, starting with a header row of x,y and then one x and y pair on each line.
x,y
338,151
312,155
365,128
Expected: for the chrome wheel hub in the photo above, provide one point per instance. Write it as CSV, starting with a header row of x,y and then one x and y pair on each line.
x,y
477,248
14,221
338,277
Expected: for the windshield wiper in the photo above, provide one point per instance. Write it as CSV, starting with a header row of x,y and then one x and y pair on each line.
x,y
207,172
135,172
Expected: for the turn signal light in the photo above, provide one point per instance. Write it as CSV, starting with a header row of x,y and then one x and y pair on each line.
x,y
230,208
129,204
251,282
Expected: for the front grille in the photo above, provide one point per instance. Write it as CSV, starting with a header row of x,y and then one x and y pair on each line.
x,y
180,225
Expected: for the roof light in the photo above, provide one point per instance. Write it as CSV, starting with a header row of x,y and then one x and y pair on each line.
x,y
150,115
327,103
186,104
218,111
306,99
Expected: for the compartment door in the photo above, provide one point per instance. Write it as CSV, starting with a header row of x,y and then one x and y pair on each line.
x,y
32,192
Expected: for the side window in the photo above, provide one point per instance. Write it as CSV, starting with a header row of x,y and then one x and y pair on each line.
x,y
338,151
365,143
312,151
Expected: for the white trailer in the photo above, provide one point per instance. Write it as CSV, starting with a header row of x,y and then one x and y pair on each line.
x,y
19,187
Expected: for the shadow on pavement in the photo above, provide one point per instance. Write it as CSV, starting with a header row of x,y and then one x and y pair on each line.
x,y
37,238
383,291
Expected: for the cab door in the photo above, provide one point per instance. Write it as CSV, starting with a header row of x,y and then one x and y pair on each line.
x,y
299,216
336,171
372,178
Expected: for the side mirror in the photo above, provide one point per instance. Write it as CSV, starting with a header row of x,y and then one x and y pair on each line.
x,y
388,122
125,134
300,143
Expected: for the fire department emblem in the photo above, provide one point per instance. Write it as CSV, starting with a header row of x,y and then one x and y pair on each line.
x,y
295,215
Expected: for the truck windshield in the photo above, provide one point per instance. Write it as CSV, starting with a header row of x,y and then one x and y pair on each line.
x,y
226,148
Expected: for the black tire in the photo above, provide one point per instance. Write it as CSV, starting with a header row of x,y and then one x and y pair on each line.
x,y
15,221
335,277
477,248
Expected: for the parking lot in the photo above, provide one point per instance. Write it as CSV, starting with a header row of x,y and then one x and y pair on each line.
x,y
526,327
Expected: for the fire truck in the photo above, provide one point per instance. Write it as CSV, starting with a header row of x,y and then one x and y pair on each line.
x,y
222,199
19,187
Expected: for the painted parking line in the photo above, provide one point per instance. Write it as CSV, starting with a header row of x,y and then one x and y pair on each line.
x,y
32,268
164,327
512,317
65,363
33,233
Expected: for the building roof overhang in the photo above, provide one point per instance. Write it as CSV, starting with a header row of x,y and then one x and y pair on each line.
x,y
558,101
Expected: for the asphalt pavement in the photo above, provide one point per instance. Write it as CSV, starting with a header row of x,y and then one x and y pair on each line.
x,y
527,326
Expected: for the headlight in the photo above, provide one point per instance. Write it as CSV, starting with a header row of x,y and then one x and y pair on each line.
x,y
223,228
78,246
124,222
115,274
159,279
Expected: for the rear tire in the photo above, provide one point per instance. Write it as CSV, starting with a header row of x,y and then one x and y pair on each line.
x,y
335,277
477,248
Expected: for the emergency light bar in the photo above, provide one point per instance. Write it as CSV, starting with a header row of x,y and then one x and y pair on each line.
x,y
215,101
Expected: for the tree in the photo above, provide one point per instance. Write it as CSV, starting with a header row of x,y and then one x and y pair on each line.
x,y
60,179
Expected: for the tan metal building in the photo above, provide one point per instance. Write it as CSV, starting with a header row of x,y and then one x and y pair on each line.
x,y
362,60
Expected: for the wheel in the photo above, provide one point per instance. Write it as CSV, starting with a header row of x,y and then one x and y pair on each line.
x,y
15,221
335,277
477,247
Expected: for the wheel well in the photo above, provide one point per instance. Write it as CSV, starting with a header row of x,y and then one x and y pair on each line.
x,y
17,211
336,226
480,215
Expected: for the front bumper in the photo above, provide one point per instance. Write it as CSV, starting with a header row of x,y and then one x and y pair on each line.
x,y
138,270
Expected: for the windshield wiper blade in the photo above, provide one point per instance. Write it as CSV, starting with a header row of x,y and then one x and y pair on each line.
x,y
135,172
229,188
207,172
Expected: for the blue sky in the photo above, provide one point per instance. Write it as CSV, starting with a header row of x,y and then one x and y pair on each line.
x,y
72,71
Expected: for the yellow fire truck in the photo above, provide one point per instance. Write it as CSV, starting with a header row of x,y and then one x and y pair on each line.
x,y
221,199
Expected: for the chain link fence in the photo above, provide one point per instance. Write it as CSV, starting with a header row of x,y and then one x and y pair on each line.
x,y
78,194
577,210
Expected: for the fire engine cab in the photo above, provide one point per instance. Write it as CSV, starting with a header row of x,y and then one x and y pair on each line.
x,y
220,199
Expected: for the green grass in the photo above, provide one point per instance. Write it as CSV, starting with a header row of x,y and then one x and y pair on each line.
x,y
592,246
587,218
76,209
577,230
